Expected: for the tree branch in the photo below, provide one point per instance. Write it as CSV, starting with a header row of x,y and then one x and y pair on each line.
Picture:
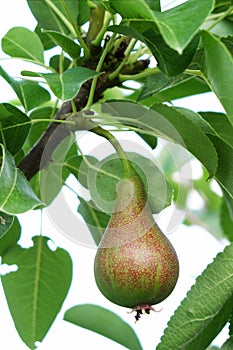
x,y
39,156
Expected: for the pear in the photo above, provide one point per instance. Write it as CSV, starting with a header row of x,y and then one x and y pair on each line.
x,y
135,265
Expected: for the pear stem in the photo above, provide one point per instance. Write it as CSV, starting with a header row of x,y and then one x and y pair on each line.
x,y
125,162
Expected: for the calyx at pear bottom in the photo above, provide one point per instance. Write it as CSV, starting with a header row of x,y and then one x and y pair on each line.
x,y
135,265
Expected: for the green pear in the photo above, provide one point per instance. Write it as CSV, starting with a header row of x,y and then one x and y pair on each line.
x,y
135,266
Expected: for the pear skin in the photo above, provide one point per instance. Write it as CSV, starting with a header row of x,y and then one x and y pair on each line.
x,y
135,266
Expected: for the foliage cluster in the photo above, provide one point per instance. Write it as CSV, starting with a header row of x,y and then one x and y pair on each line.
x,y
102,45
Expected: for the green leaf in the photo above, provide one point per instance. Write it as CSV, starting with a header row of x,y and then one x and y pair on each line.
x,y
166,56
224,172
154,4
205,310
53,177
39,127
16,194
231,325
188,134
56,14
174,91
226,221
219,70
79,167
177,26
14,125
61,16
221,29
45,39
30,94
197,119
229,201
180,24
228,41
103,181
228,345
132,9
54,62
104,322
36,291
150,140
65,43
11,235
95,219
66,86
158,82
5,223
83,12
167,88
221,125
168,123
23,43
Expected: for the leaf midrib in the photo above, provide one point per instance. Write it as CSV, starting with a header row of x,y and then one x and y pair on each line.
x,y
23,50
36,287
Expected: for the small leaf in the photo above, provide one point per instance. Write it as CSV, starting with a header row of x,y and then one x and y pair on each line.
x,y
14,125
65,43
16,194
205,310
54,62
11,235
66,86
23,43
30,94
37,290
104,322
95,219
219,70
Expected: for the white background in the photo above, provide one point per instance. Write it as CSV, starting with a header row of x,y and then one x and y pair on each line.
x,y
195,247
